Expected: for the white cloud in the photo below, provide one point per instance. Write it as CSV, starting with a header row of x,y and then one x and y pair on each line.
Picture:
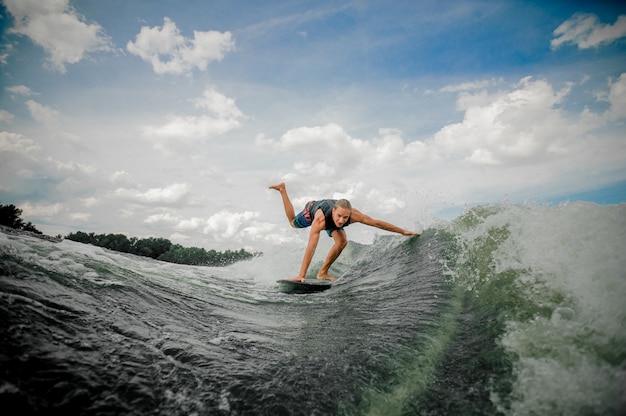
x,y
5,52
329,150
191,127
617,98
42,113
179,238
171,53
520,138
222,116
72,140
90,201
193,223
222,226
219,105
518,126
586,31
17,143
58,29
226,225
390,147
41,210
320,139
22,90
319,170
51,118
164,217
387,204
171,194
470,86
6,117
80,216
330,143
120,176
89,170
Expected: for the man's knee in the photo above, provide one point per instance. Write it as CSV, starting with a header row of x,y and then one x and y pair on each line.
x,y
341,243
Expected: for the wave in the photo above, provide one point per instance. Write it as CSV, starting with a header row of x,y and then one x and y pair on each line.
x,y
507,309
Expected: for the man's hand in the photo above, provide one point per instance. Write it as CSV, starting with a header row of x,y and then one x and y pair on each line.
x,y
407,232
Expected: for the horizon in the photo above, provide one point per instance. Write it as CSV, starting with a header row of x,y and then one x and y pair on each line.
x,y
151,119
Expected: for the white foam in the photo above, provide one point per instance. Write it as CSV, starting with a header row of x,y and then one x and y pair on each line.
x,y
567,361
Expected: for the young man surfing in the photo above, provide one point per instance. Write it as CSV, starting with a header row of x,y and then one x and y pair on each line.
x,y
331,216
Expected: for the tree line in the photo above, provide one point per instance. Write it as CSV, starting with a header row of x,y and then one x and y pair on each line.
x,y
161,249
10,217
156,248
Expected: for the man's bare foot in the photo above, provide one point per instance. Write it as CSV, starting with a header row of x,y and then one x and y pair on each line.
x,y
296,279
325,276
279,187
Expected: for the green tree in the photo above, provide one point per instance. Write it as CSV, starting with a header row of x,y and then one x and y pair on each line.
x,y
10,217
151,247
81,237
117,242
161,249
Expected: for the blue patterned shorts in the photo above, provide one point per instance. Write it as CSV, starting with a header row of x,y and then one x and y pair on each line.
x,y
304,218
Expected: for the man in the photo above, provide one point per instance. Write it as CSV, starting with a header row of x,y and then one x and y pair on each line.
x,y
332,216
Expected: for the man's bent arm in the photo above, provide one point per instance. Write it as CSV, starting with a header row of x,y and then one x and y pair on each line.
x,y
314,237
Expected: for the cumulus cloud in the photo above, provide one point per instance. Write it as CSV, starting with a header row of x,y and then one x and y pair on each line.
x,y
51,118
170,194
617,98
328,152
218,105
191,127
469,86
90,201
20,90
513,137
330,143
228,225
221,116
222,226
163,217
6,117
42,113
171,53
514,127
387,204
41,210
186,224
120,176
586,31
17,143
519,126
86,169
80,216
193,223
58,29
5,52
305,140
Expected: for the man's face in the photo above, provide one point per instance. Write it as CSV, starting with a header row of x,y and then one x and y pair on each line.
x,y
341,216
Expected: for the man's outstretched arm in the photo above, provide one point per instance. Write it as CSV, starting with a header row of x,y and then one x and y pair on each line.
x,y
358,216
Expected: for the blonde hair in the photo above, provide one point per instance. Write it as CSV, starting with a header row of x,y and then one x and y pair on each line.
x,y
343,203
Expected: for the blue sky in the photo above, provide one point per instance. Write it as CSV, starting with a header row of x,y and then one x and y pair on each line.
x,y
170,119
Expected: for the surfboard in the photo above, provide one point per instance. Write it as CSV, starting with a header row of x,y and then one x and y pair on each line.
x,y
308,286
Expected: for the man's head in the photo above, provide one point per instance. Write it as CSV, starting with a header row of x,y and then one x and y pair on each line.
x,y
341,212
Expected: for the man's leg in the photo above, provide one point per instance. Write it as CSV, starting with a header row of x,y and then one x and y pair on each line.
x,y
289,211
341,241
